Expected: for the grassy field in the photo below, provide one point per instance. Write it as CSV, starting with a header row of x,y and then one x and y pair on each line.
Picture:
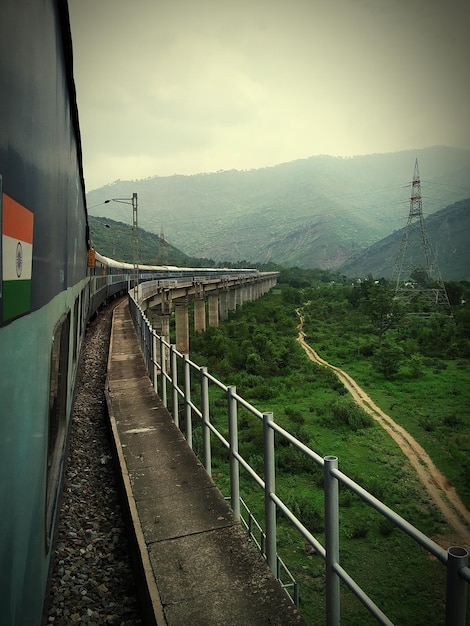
x,y
307,399
433,407
401,577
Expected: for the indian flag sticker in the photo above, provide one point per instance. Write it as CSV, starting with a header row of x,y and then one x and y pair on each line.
x,y
17,258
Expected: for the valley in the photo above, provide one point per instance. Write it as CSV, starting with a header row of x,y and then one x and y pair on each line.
x,y
318,212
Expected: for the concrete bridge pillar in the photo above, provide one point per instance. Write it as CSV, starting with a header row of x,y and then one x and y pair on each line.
x,y
166,327
182,325
247,293
167,301
264,287
244,294
241,295
232,299
161,325
213,310
199,314
223,305
238,296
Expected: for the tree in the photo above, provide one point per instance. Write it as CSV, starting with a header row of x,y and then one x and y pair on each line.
x,y
454,292
290,295
388,358
384,311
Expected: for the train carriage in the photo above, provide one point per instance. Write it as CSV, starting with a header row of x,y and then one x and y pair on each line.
x,y
51,283
44,295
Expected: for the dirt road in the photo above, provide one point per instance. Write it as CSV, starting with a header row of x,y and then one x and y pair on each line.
x,y
438,487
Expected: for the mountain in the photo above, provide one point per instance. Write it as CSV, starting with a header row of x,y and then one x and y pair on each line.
x,y
448,232
313,212
114,239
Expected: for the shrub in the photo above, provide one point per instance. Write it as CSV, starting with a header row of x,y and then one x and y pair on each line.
x,y
264,392
256,461
416,366
293,461
347,412
388,358
453,421
367,349
428,423
357,529
305,508
339,387
386,527
345,498
294,415
376,487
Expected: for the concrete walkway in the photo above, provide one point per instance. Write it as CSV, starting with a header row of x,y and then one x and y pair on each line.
x,y
194,563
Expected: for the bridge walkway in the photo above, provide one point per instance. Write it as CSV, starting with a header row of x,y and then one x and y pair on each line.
x,y
193,561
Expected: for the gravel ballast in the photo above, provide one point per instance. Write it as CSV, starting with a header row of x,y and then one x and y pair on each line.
x,y
92,581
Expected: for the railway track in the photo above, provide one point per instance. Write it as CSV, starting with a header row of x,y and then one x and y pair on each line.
x,y
91,580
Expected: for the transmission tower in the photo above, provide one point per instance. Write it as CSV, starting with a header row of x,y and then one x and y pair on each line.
x,y
417,278
162,251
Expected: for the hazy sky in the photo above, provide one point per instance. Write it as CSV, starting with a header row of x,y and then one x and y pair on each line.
x,y
188,86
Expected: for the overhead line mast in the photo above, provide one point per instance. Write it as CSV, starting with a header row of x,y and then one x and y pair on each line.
x,y
416,276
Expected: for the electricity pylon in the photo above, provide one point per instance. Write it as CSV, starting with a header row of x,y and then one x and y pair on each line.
x,y
417,278
162,252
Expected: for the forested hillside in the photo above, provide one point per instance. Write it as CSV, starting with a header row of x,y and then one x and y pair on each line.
x,y
448,232
114,239
313,212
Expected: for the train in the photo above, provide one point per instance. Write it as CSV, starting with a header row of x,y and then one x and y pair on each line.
x,y
110,277
49,290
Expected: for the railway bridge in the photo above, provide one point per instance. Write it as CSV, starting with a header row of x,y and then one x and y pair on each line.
x,y
211,300
193,561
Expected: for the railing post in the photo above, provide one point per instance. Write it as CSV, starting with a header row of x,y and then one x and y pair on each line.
x,y
187,400
269,488
174,384
331,542
148,349
233,450
155,360
151,360
206,432
296,594
456,596
143,339
163,364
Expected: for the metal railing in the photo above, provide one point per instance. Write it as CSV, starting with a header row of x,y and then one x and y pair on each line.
x,y
173,375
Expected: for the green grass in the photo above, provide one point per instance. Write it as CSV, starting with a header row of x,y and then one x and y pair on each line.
x,y
369,548
381,559
434,409
308,401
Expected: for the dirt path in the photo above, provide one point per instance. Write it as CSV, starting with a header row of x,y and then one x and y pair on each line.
x,y
438,487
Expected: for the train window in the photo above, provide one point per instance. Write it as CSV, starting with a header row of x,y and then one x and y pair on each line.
x,y
57,418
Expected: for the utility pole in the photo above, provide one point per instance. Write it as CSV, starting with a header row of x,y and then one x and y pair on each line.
x,y
135,236
417,278
135,241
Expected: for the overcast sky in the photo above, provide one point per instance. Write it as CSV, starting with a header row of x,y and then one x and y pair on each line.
x,y
188,86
